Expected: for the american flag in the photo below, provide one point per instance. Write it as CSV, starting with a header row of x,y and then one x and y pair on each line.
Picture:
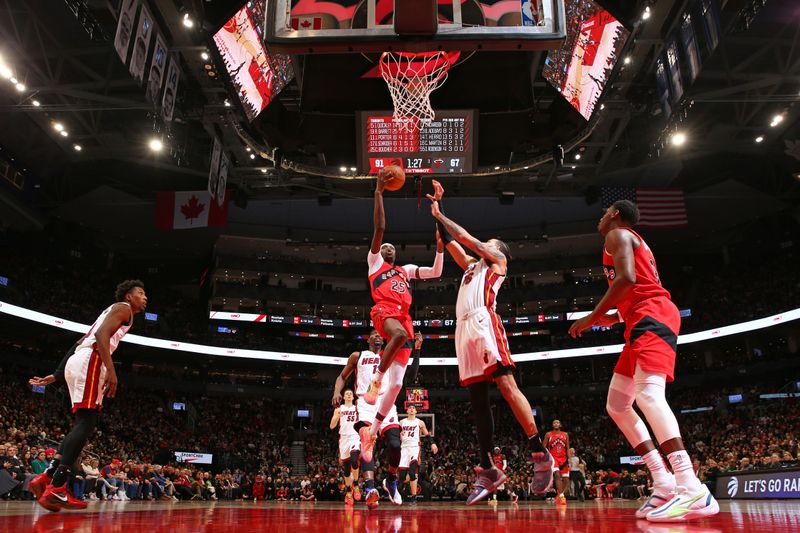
x,y
659,208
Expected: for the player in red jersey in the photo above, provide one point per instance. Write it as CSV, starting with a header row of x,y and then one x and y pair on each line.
x,y
557,443
88,371
646,364
500,463
391,292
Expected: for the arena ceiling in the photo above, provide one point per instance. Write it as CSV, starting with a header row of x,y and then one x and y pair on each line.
x,y
65,57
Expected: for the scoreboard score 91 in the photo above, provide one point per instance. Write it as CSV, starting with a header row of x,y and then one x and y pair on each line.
x,y
444,146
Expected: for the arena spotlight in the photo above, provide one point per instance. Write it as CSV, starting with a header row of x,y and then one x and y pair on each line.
x,y
36,103
263,170
777,119
352,169
155,145
205,56
252,156
342,169
187,21
646,14
64,133
20,87
627,60
13,80
77,147
58,126
5,72
577,157
679,139
760,139
227,103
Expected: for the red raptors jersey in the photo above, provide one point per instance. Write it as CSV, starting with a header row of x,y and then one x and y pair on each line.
x,y
499,461
648,284
557,445
389,285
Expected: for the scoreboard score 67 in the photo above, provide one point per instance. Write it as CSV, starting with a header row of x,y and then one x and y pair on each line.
x,y
443,146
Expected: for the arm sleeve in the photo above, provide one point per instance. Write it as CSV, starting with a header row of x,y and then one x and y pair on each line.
x,y
418,272
58,373
375,261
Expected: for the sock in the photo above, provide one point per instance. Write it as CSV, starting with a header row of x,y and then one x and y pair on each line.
x,y
378,376
61,475
663,481
51,469
369,484
684,472
536,443
373,429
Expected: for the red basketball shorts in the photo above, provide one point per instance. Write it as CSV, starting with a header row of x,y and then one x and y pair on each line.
x,y
651,338
380,312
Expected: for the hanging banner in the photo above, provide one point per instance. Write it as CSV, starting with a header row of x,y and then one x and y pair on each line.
x,y
157,68
222,182
122,40
213,171
141,45
170,90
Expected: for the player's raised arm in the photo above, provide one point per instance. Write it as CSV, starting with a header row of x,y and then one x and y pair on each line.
x,y
455,250
341,379
489,253
378,218
337,414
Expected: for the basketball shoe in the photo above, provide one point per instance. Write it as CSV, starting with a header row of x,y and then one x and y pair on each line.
x,y
372,392
348,499
543,467
57,498
561,500
356,493
686,505
394,494
652,503
371,498
39,484
486,483
367,443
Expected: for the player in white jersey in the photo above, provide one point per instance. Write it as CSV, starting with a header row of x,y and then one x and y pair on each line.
x,y
482,349
346,416
89,373
412,429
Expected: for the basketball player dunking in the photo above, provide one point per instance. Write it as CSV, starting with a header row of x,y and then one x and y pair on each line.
x,y
365,364
646,364
346,416
391,292
412,429
557,443
482,350
89,373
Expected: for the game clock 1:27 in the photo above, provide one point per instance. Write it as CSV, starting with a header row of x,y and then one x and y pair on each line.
x,y
443,146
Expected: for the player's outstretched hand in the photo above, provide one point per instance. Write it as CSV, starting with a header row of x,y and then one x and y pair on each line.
x,y
434,449
438,190
580,325
434,206
42,382
336,400
417,340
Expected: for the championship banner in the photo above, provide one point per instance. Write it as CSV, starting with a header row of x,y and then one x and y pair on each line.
x,y
170,90
213,171
141,45
157,68
192,457
122,40
222,182
759,485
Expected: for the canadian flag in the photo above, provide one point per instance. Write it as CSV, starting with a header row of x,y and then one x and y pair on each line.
x,y
190,209
307,23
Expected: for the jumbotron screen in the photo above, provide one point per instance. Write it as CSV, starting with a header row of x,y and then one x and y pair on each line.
x,y
444,146
418,398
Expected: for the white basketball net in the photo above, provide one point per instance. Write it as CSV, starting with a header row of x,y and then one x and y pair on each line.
x,y
411,78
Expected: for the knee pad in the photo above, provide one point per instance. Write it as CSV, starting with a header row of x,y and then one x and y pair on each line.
x,y
621,394
355,460
346,468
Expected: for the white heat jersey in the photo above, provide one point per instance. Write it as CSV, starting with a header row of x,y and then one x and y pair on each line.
x,y
410,433
89,340
479,288
347,420
365,370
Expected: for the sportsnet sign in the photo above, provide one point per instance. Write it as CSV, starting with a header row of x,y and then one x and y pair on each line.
x,y
783,484
192,457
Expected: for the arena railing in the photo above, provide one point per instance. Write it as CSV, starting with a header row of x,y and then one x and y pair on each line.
x,y
715,333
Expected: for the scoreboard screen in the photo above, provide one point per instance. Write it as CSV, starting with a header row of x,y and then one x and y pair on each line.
x,y
444,146
418,398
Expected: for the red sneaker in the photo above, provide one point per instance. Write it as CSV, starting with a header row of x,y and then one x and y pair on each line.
x,y
39,484
356,493
57,498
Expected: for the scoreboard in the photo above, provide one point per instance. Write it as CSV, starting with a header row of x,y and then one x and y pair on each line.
x,y
443,146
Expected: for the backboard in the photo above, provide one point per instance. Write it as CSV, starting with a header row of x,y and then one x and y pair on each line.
x,y
342,26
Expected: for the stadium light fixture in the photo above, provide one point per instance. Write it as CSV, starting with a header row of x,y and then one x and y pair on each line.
x,y
679,139
155,145
760,139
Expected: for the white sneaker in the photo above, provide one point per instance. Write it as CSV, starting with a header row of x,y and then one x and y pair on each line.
x,y
685,505
652,503
394,493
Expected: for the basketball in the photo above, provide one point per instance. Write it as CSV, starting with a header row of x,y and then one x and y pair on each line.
x,y
394,176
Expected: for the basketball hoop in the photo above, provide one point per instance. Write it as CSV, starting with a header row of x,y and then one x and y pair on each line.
x,y
411,78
